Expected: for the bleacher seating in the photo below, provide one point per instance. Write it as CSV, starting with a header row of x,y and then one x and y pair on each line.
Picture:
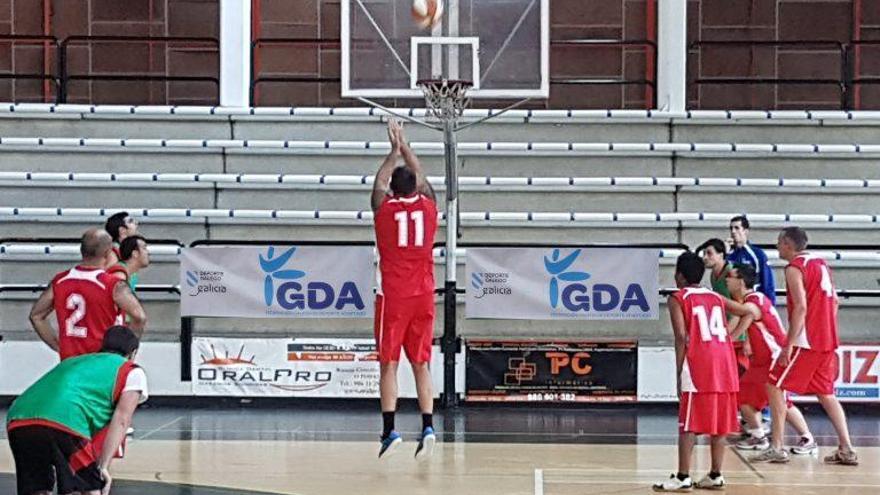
x,y
528,176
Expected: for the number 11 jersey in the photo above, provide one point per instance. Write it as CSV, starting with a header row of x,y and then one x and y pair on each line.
x,y
405,228
710,362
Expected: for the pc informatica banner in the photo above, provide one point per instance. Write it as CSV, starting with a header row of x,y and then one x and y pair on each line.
x,y
305,367
557,371
277,282
562,283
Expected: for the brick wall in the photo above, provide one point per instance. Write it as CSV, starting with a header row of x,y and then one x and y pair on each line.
x,y
780,20
66,18
708,20
319,19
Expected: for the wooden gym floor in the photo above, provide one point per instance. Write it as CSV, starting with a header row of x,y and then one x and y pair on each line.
x,y
328,448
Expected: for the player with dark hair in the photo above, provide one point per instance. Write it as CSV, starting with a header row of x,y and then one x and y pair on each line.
x,y
134,256
808,363
87,301
51,425
713,252
706,373
405,212
765,332
744,252
121,226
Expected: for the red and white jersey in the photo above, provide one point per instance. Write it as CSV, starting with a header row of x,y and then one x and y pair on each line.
x,y
710,362
820,333
85,309
767,335
405,228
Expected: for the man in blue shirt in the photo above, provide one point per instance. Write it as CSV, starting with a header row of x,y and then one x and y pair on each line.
x,y
742,251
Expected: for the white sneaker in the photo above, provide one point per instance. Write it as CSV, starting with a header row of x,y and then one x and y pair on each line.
x,y
805,446
753,443
708,483
130,431
771,455
673,484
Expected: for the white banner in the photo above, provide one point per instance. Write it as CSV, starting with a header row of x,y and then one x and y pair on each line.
x,y
277,282
857,379
296,368
564,283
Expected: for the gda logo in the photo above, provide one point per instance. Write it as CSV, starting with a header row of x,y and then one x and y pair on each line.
x,y
272,267
567,288
557,269
314,295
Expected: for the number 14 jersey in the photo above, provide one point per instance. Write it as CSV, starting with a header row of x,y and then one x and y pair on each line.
x,y
405,228
710,362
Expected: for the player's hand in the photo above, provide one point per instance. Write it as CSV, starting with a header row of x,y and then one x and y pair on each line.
x,y
747,348
105,475
395,136
785,356
728,243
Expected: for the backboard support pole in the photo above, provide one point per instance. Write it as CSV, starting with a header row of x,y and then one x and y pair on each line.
x,y
449,344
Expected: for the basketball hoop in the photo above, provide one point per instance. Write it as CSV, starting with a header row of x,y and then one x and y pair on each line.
x,y
446,98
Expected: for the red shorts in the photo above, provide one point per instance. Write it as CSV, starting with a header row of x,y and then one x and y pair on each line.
x,y
753,388
708,413
808,372
407,323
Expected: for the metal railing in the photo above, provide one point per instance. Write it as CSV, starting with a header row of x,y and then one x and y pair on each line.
x,y
649,81
847,80
59,76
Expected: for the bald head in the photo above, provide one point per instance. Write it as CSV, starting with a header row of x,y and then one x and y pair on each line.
x,y
95,244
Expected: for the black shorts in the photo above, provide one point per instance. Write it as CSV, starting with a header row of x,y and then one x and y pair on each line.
x,y
43,454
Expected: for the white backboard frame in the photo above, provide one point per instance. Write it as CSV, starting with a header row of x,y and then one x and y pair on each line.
x,y
507,94
416,41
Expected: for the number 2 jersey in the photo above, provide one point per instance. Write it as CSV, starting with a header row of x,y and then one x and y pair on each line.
x,y
710,362
85,309
820,333
405,228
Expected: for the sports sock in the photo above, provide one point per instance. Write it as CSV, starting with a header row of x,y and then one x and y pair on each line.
x,y
387,424
427,420
714,474
682,476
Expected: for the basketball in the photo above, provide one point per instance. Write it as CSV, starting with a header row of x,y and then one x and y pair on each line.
x,y
427,13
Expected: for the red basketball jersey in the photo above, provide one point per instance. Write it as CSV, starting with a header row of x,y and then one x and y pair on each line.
x,y
820,333
85,309
405,228
710,363
767,335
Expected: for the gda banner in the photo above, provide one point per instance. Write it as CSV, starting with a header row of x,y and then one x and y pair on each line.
x,y
277,282
563,283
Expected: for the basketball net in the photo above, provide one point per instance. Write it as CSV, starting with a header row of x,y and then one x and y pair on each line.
x,y
446,99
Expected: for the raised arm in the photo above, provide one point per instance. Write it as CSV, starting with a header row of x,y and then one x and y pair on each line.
x,y
39,317
413,163
383,176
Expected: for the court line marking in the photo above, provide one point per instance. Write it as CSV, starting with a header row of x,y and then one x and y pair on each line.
x,y
745,461
774,484
539,482
166,425
486,433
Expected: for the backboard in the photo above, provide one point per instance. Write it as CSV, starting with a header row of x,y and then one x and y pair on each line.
x,y
502,46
